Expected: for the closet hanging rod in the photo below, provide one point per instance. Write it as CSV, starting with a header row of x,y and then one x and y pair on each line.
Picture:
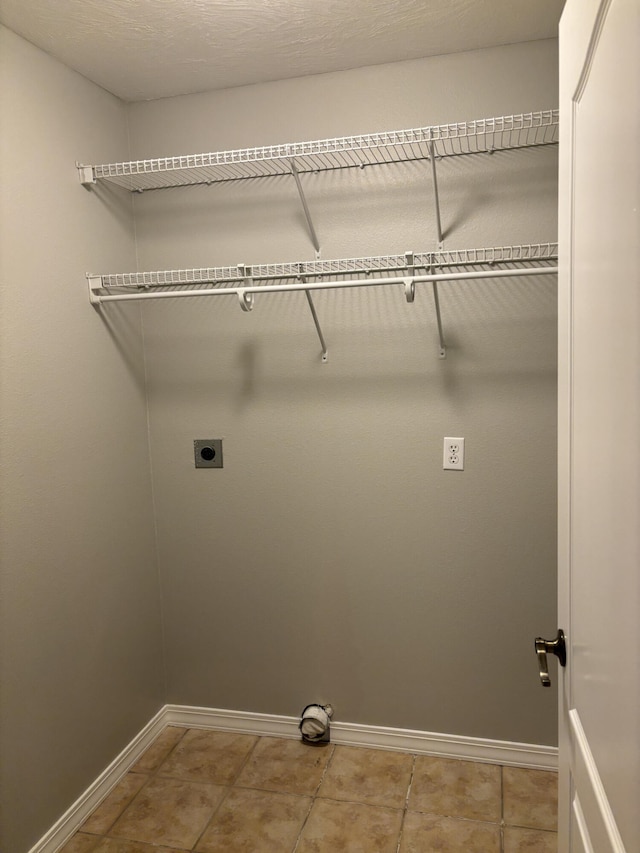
x,y
479,136
244,291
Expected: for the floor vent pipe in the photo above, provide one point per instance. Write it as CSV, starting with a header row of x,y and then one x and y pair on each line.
x,y
314,723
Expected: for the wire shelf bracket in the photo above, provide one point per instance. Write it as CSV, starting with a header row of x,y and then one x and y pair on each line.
x,y
312,308
305,208
436,197
442,351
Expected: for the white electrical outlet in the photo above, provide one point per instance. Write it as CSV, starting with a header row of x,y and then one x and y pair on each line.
x,y
453,456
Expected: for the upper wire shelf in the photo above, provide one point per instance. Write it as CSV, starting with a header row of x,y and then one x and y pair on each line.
x,y
481,136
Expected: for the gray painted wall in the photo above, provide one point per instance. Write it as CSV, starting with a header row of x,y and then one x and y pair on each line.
x,y
80,642
332,559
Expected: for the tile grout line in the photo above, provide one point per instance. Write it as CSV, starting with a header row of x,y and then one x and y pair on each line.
x,y
314,798
501,809
153,773
229,788
208,823
406,802
413,770
325,771
353,801
150,776
157,774
304,823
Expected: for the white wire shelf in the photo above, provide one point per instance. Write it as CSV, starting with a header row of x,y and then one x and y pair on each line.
x,y
407,270
316,275
480,136
313,274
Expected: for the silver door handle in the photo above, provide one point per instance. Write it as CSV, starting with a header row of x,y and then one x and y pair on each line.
x,y
555,647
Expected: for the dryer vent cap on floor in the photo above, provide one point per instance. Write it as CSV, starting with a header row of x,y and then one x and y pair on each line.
x,y
314,723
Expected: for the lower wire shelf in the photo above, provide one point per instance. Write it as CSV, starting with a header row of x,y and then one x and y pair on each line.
x,y
411,268
313,275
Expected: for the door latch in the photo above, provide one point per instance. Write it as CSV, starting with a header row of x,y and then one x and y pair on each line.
x,y
555,647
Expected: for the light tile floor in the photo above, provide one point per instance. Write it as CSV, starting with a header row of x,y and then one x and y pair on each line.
x,y
218,792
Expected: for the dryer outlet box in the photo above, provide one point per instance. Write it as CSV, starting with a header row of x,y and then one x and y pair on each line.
x,y
208,452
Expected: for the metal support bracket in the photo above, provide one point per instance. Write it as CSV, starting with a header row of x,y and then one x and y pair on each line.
x,y
442,352
312,308
434,173
305,207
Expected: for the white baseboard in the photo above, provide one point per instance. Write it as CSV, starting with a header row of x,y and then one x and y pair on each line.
x,y
272,725
527,755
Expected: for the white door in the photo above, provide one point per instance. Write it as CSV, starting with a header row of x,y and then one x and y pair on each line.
x,y
599,426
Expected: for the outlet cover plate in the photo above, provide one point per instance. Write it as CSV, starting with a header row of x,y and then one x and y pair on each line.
x,y
208,452
453,454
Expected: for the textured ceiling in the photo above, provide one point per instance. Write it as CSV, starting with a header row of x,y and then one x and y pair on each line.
x,y
143,49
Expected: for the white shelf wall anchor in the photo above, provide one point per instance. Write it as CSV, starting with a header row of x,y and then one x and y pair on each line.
x,y
434,173
95,283
86,175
